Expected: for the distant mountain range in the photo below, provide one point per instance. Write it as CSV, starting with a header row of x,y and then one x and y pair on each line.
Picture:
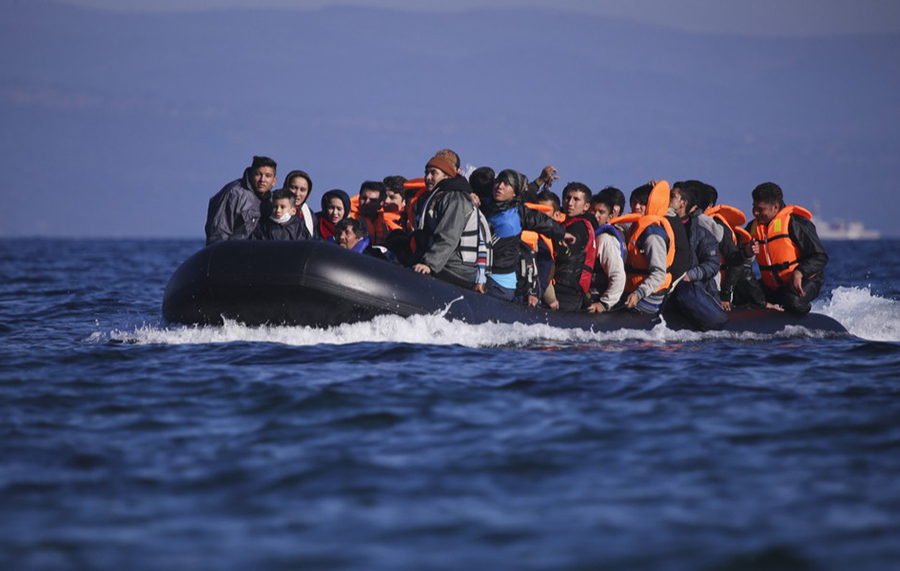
x,y
125,125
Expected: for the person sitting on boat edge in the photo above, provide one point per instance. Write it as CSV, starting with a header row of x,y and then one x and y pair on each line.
x,y
544,252
657,245
507,217
697,294
451,236
282,224
371,199
335,207
788,251
575,259
608,281
237,208
300,184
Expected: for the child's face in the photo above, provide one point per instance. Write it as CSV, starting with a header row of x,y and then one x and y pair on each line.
x,y
639,208
283,206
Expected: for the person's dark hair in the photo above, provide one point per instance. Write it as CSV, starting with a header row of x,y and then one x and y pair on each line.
x,y
607,198
482,182
688,190
640,195
394,184
259,161
283,193
549,196
769,192
374,185
578,187
358,227
340,195
611,196
708,197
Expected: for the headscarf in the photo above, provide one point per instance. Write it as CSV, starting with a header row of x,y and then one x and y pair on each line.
x,y
326,227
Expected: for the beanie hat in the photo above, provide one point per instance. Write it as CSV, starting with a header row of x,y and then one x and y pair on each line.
x,y
443,165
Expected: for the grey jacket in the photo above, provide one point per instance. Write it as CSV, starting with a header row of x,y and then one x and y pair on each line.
x,y
443,228
235,211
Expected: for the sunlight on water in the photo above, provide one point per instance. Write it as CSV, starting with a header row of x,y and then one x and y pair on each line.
x,y
863,314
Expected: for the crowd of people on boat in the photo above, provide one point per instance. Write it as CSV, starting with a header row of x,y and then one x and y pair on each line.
x,y
502,235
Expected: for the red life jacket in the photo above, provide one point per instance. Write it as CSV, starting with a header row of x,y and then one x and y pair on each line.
x,y
579,269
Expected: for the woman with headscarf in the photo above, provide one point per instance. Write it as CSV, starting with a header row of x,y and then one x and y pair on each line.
x,y
508,217
300,184
335,207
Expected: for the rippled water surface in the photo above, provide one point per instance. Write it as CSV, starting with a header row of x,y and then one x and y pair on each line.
x,y
421,443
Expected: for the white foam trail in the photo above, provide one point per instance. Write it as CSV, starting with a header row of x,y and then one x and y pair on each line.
x,y
433,329
862,313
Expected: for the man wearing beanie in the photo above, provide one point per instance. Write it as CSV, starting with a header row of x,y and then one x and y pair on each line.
x,y
447,226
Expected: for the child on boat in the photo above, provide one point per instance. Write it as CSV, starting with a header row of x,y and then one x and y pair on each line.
x,y
283,224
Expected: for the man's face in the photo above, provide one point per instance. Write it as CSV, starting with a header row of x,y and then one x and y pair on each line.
x,y
601,213
348,238
764,212
263,179
300,188
639,208
574,203
677,203
282,206
369,201
433,176
394,202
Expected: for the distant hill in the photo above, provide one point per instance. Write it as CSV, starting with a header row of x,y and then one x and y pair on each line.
x,y
129,123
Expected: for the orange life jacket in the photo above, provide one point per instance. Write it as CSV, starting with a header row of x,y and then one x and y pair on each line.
x,y
733,219
637,266
419,185
377,229
392,219
778,255
530,237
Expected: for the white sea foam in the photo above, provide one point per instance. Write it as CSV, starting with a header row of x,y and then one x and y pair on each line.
x,y
862,313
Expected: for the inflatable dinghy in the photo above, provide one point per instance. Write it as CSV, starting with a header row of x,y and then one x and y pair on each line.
x,y
319,284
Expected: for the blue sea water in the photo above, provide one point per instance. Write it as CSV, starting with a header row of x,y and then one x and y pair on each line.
x,y
421,443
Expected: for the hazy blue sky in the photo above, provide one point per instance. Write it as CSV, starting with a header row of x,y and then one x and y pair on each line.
x,y
125,117
757,17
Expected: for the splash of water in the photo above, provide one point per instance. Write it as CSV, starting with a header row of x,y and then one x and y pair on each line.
x,y
862,313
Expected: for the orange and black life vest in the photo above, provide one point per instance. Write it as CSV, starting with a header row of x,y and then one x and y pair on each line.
x,y
637,266
778,254
530,237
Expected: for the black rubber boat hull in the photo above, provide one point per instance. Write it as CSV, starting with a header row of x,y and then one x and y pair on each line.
x,y
319,284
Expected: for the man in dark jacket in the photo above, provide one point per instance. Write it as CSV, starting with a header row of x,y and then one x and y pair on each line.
x,y
792,269
575,258
697,296
447,230
235,210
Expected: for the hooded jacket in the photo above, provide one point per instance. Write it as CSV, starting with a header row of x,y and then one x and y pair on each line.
x,y
234,211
